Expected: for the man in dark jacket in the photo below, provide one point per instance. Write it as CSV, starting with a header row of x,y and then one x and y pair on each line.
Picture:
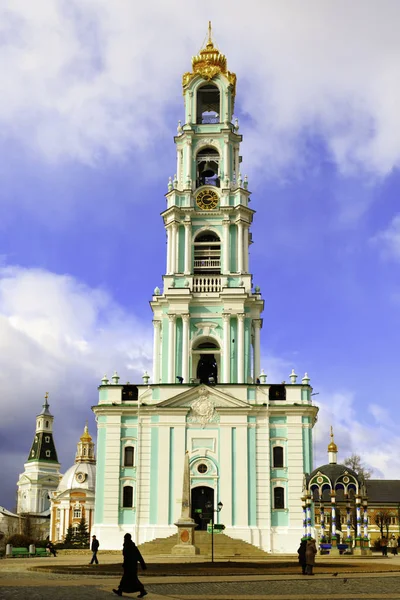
x,y
130,582
94,548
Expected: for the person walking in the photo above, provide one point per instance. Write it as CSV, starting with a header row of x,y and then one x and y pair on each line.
x,y
94,548
311,551
302,555
51,548
129,582
384,544
393,545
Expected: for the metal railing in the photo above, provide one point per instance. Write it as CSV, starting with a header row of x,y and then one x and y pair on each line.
x,y
207,263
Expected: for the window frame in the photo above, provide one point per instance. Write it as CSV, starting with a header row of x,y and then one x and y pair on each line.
x,y
129,447
276,488
274,465
126,487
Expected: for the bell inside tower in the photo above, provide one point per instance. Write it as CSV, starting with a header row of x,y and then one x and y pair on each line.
x,y
208,104
208,167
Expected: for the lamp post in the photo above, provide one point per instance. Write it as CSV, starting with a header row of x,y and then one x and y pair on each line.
x,y
210,506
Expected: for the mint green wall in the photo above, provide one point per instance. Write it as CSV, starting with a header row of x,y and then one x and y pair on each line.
x,y
100,461
155,393
277,420
178,347
233,245
277,432
280,518
181,249
153,475
251,473
103,395
171,477
251,393
205,309
233,476
233,356
126,516
305,394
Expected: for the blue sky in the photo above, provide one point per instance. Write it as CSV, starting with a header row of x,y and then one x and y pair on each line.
x,y
90,100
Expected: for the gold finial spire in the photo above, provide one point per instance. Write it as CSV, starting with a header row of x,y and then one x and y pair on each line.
x,y
209,33
332,446
46,395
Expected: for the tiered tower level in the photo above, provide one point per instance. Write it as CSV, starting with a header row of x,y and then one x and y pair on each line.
x,y
207,318
249,443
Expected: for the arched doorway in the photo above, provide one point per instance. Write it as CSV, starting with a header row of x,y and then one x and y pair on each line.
x,y
207,370
200,514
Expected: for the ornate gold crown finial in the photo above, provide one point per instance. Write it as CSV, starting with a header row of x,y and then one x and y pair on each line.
x,y
332,446
86,437
208,63
46,395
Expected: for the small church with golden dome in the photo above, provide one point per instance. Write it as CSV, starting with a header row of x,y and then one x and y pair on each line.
x,y
74,497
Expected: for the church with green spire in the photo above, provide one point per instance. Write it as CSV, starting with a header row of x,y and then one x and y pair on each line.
x,y
42,470
249,441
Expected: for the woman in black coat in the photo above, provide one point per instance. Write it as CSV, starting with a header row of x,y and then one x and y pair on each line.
x,y
302,555
129,582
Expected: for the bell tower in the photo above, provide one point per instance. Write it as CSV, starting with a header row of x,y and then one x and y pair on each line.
x,y
207,317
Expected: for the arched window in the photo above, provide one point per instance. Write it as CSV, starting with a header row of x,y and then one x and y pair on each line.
x,y
77,513
207,162
207,253
47,423
127,496
208,104
128,456
277,457
279,497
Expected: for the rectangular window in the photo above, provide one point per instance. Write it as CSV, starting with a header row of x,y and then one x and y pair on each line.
x,y
279,498
128,456
277,454
47,439
48,453
77,513
127,496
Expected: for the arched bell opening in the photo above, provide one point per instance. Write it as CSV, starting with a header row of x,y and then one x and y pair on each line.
x,y
206,361
208,104
207,165
207,253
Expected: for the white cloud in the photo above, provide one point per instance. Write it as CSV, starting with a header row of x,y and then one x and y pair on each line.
x,y
88,78
59,335
373,439
388,240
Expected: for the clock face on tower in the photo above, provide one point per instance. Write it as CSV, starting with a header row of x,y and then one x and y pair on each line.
x,y
207,199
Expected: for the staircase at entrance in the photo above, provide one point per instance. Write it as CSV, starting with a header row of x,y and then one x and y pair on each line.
x,y
224,546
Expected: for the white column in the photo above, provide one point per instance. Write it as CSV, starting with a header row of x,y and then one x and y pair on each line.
x,y
171,348
188,170
225,249
227,173
169,246
156,351
226,347
178,167
174,246
240,247
188,247
256,347
246,248
240,350
237,163
185,348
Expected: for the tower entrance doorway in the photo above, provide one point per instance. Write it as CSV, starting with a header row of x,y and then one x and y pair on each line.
x,y
207,370
200,514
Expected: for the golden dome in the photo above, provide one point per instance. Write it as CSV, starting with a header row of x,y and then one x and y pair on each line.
x,y
208,63
86,437
332,446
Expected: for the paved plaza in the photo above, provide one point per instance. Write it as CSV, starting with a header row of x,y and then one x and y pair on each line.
x,y
19,582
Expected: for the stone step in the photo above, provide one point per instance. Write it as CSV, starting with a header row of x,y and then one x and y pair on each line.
x,y
223,546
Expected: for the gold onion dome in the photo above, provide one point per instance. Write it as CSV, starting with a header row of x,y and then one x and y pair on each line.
x,y
86,437
208,63
332,446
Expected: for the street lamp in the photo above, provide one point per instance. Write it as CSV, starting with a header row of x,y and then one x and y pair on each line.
x,y
210,506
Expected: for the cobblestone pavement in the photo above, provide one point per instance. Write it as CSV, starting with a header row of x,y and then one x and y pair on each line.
x,y
56,587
